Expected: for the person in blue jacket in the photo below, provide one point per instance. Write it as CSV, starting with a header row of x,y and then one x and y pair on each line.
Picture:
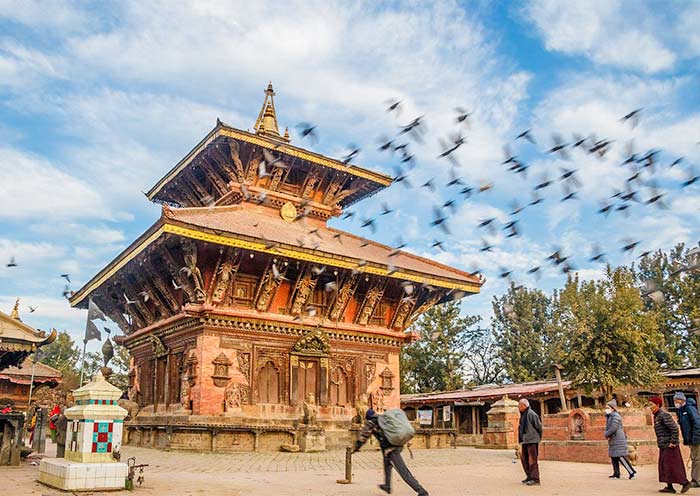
x,y
689,420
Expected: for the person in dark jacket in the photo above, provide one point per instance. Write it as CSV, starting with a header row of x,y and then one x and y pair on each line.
x,y
689,420
392,455
529,436
671,468
617,441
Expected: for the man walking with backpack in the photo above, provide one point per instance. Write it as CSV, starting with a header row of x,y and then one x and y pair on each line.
x,y
392,430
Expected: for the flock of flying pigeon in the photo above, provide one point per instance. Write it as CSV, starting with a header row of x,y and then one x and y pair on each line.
x,y
639,189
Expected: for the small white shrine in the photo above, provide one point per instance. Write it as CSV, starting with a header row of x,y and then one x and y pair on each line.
x,y
94,433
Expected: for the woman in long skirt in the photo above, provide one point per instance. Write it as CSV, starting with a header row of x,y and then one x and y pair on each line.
x,y
671,467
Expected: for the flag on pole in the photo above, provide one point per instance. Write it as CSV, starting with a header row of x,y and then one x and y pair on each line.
x,y
94,312
91,330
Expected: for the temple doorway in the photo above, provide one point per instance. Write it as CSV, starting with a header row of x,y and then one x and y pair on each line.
x,y
308,379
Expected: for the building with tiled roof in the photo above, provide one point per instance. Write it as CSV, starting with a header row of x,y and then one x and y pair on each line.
x,y
240,303
18,340
15,382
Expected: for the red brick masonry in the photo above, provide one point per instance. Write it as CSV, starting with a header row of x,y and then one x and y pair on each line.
x,y
578,436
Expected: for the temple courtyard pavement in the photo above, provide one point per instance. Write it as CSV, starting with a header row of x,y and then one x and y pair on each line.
x,y
444,472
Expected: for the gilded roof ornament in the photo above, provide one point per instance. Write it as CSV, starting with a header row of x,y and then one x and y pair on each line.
x,y
266,123
15,311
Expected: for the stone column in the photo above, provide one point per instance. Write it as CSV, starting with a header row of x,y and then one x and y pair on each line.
x,y
502,431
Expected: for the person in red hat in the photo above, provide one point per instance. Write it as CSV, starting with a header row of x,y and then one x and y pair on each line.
x,y
671,467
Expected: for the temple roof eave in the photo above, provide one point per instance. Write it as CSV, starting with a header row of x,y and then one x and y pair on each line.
x,y
166,226
223,130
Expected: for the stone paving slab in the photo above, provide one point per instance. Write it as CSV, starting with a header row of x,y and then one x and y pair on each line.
x,y
445,472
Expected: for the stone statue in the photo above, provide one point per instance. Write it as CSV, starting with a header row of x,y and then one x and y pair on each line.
x,y
361,407
310,410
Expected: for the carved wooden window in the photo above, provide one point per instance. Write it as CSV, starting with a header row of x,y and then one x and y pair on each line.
x,y
244,290
268,384
381,311
320,299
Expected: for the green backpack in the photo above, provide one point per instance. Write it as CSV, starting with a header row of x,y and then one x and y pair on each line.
x,y
396,427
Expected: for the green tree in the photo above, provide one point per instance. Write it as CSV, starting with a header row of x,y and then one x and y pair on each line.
x,y
674,295
608,334
484,365
63,355
435,362
527,341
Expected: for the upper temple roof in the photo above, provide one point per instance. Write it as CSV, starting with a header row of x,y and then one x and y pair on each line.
x,y
228,154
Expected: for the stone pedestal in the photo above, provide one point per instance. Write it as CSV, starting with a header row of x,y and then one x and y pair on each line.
x,y
311,440
94,433
502,431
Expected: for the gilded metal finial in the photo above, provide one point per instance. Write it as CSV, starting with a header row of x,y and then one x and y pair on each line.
x,y
15,311
266,123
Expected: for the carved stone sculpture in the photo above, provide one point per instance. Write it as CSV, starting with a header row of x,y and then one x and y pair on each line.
x,y
310,410
235,395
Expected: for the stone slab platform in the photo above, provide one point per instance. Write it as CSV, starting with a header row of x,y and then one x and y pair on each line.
x,y
76,476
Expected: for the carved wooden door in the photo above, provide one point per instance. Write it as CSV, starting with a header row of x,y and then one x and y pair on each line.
x,y
268,384
339,387
307,380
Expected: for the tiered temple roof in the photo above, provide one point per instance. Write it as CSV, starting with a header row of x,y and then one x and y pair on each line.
x,y
243,229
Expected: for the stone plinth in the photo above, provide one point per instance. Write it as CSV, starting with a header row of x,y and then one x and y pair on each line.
x,y
75,476
311,440
579,436
502,430
94,433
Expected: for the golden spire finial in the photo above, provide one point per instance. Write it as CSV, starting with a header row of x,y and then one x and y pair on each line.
x,y
15,311
266,123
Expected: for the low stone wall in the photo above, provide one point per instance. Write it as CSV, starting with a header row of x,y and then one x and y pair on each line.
x,y
579,436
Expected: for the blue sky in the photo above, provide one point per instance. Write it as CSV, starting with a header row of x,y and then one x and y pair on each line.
x,y
98,102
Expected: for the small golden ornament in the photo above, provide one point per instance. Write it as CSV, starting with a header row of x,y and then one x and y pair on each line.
x,y
288,212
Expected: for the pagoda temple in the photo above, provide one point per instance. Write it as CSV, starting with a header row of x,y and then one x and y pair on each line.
x,y
242,308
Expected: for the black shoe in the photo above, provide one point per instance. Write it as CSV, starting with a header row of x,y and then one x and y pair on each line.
x,y
694,484
532,483
614,476
633,475
525,481
667,490
685,487
385,488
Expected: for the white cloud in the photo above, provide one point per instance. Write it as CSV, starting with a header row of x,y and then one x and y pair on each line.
x,y
609,32
32,187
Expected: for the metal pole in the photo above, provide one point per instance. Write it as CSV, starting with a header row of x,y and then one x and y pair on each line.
x,y
31,383
82,366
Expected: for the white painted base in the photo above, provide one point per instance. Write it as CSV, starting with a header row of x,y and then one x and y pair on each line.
x,y
75,476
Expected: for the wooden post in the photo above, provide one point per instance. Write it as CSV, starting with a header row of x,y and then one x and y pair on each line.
x,y
348,467
562,398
